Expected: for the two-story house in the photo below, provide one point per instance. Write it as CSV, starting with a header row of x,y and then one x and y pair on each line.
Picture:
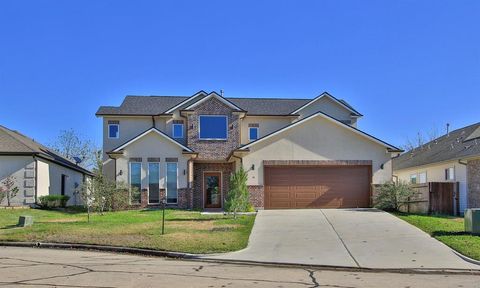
x,y
299,153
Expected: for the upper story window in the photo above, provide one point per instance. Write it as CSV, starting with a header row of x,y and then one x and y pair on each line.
x,y
450,173
177,131
213,127
252,133
113,131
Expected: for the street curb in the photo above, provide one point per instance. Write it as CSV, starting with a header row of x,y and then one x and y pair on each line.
x,y
466,258
204,258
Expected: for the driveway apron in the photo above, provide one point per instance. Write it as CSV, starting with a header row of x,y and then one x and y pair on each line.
x,y
366,238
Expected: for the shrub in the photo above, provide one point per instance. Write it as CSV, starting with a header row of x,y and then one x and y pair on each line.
x,y
393,196
54,201
238,196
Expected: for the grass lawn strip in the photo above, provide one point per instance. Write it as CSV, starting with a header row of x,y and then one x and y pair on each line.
x,y
446,229
185,231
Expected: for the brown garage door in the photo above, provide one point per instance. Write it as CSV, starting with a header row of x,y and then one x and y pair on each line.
x,y
317,187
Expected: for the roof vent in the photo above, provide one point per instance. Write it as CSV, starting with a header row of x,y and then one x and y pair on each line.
x,y
448,129
451,146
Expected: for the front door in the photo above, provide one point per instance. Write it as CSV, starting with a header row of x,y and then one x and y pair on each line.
x,y
212,189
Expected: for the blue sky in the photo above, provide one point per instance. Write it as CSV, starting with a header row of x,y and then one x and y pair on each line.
x,y
407,66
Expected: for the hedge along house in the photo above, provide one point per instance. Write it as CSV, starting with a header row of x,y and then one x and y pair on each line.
x,y
38,171
453,157
299,153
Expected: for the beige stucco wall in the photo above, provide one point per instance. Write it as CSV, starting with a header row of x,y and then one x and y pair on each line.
x,y
73,182
318,139
267,125
129,128
436,173
152,145
23,169
327,106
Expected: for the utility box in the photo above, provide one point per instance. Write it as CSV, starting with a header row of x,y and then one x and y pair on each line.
x,y
24,221
472,221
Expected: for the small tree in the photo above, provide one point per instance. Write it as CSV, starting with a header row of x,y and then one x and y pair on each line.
x,y
393,196
237,197
9,190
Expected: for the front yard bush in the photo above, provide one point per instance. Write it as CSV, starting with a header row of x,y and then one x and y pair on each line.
x,y
54,201
238,196
393,196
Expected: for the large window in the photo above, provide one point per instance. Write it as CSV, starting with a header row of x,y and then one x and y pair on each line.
x,y
213,127
135,182
177,131
153,183
113,131
172,183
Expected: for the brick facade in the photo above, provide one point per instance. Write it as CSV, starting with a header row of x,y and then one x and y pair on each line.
x,y
473,180
213,149
199,169
256,196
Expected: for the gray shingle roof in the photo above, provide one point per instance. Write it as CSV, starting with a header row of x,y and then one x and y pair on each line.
x,y
460,143
13,142
154,105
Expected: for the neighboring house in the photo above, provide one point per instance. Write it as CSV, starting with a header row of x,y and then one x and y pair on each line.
x,y
454,157
38,170
299,153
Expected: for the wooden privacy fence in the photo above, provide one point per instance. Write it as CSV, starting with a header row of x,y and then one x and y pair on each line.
x,y
443,198
432,197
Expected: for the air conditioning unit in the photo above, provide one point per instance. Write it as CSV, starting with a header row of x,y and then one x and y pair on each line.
x,y
472,221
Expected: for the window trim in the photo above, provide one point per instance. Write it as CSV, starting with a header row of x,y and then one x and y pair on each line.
x,y
426,177
258,133
447,173
118,131
173,130
200,124
166,183
130,182
148,180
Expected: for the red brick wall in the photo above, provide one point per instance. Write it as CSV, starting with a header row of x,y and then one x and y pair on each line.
x,y
256,196
213,149
198,169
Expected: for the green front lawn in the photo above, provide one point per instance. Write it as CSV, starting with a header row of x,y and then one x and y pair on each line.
x,y
449,230
185,231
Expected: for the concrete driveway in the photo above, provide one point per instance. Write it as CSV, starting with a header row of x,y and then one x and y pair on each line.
x,y
366,238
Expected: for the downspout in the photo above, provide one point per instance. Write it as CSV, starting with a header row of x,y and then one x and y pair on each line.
x,y
153,121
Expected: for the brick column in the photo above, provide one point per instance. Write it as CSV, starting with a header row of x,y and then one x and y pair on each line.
x,y
473,180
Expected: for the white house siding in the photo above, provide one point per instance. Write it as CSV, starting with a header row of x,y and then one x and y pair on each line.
x,y
267,125
318,139
23,169
327,106
436,173
155,146
129,128
53,180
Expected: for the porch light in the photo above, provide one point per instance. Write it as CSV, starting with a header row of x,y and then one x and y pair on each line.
x,y
253,167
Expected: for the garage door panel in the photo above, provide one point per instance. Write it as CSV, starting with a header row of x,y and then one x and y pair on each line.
x,y
317,187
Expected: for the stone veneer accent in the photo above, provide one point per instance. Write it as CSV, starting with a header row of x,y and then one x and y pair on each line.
x,y
198,169
213,149
473,180
256,196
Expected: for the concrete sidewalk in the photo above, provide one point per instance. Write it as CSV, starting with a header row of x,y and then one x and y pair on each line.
x,y
366,238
